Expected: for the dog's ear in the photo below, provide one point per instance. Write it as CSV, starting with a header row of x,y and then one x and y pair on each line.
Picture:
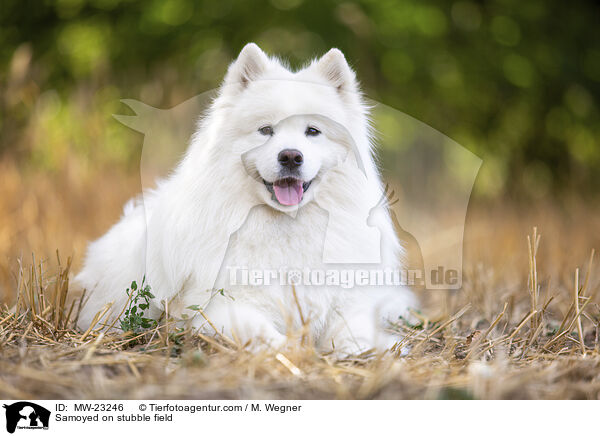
x,y
249,65
334,68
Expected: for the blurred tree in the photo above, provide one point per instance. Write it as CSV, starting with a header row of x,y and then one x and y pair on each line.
x,y
515,82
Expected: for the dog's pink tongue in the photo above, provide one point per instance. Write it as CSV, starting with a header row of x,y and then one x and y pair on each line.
x,y
288,193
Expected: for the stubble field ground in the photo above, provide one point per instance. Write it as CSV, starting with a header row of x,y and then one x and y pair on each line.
x,y
524,326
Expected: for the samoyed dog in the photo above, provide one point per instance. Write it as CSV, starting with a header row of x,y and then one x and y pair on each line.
x,y
279,171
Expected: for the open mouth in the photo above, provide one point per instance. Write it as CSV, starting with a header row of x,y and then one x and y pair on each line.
x,y
287,191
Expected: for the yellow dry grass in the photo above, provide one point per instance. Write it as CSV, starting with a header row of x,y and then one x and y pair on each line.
x,y
525,324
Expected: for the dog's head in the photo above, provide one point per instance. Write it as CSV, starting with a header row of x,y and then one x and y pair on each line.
x,y
291,127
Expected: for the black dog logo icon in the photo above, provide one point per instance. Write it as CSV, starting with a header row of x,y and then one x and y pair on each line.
x,y
26,415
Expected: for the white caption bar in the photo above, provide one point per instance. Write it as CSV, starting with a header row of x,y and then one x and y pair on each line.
x,y
149,417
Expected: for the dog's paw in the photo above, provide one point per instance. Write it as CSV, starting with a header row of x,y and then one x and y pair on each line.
x,y
344,346
273,341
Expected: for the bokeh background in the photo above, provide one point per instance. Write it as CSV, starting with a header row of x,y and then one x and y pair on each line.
x,y
517,83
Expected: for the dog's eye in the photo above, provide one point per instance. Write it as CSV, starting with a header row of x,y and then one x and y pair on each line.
x,y
266,130
311,131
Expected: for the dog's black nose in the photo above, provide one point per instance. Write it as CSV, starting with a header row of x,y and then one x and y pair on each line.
x,y
290,158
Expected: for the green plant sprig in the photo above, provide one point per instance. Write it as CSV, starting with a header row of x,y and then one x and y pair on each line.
x,y
134,319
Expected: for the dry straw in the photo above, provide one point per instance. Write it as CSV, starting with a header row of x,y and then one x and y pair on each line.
x,y
511,333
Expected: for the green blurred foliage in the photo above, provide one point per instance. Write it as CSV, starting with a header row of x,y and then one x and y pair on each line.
x,y
515,82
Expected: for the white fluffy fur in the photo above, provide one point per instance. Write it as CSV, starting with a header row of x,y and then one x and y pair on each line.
x,y
179,235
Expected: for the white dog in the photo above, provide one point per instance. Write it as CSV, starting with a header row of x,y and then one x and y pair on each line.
x,y
254,192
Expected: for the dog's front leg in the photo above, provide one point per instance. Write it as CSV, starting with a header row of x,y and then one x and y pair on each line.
x,y
363,322
241,322
355,332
